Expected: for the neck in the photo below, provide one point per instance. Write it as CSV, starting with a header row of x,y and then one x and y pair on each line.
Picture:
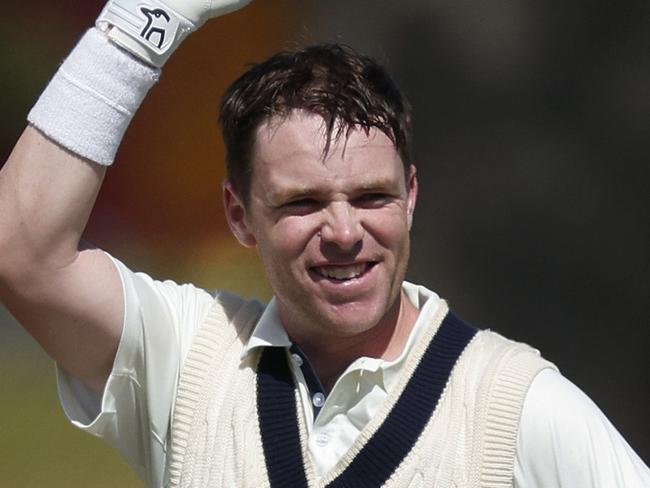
x,y
331,356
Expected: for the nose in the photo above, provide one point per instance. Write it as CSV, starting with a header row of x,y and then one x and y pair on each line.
x,y
342,226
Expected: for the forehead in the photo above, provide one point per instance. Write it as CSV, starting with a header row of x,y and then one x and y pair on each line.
x,y
293,147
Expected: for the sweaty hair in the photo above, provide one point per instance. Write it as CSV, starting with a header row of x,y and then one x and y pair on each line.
x,y
348,90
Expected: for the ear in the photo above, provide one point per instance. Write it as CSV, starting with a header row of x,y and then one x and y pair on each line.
x,y
236,216
412,189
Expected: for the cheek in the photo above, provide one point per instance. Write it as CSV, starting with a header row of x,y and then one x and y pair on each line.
x,y
290,237
389,229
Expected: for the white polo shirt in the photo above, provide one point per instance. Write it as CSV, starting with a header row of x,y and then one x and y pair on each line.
x,y
564,439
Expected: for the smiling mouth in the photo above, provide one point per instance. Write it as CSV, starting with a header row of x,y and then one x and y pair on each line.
x,y
342,272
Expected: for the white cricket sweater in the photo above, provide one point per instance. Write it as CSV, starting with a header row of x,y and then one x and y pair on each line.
x,y
469,440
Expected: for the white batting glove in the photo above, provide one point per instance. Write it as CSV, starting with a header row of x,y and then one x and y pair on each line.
x,y
153,29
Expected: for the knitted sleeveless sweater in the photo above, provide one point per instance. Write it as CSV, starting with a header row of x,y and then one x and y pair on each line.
x,y
468,441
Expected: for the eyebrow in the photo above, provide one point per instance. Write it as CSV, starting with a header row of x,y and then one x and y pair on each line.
x,y
293,194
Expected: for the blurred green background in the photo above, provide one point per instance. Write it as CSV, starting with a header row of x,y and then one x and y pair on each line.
x,y
532,149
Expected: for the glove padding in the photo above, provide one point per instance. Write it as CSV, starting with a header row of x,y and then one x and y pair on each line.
x,y
153,29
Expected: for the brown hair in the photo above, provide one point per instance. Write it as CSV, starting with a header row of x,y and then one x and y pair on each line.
x,y
347,89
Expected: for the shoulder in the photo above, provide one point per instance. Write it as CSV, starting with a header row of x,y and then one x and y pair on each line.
x,y
493,356
565,440
229,321
495,371
165,318
494,375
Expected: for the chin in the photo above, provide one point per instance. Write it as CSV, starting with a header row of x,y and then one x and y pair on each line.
x,y
351,319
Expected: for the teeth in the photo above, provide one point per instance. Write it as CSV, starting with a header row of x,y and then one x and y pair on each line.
x,y
341,272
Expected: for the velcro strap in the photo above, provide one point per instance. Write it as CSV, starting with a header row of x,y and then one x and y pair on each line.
x,y
149,28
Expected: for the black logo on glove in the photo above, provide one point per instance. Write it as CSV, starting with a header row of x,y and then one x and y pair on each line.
x,y
158,29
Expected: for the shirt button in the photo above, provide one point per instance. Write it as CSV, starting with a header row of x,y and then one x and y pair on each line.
x,y
318,399
322,440
297,360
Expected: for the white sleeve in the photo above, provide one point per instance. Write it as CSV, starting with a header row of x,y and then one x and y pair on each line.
x,y
133,413
565,441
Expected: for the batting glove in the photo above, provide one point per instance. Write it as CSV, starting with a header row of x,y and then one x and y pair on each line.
x,y
153,29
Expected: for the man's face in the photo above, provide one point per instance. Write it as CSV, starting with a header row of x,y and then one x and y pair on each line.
x,y
332,231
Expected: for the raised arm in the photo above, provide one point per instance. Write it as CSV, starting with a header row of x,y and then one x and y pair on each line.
x,y
68,298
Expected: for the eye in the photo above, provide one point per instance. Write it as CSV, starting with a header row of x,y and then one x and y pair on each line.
x,y
301,206
372,200
301,202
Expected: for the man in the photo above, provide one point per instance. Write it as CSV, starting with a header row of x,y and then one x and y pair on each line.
x,y
391,389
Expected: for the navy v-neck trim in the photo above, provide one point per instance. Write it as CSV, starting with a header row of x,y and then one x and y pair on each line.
x,y
393,440
276,407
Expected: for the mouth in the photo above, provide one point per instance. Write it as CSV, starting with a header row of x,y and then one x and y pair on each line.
x,y
342,273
